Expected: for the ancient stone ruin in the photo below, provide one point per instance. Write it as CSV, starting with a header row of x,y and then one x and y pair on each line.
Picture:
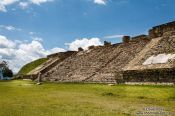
x,y
144,58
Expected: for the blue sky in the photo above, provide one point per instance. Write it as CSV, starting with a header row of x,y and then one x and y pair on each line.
x,y
54,23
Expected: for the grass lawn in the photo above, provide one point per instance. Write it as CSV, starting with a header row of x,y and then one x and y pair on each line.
x,y
24,98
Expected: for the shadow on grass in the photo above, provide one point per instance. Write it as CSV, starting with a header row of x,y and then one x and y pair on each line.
x,y
142,97
171,98
110,94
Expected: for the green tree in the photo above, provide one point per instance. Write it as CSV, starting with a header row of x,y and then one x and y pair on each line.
x,y
5,69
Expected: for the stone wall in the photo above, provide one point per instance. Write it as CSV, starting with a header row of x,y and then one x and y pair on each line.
x,y
105,64
52,61
150,75
61,55
78,67
136,71
166,45
119,58
140,37
99,64
158,31
59,58
126,39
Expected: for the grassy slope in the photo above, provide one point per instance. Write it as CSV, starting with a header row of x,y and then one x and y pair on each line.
x,y
24,98
30,66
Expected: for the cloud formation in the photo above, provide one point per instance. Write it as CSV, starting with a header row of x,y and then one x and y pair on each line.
x,y
25,5
4,3
38,2
22,4
56,50
84,43
113,36
10,28
17,53
100,2
5,43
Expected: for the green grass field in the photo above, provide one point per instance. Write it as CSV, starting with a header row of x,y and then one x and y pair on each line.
x,y
25,98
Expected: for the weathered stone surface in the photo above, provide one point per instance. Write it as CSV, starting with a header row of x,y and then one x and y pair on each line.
x,y
54,59
121,62
126,39
159,31
99,64
137,71
150,75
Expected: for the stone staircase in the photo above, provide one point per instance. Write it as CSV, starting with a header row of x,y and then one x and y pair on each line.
x,y
121,56
112,63
141,55
160,45
97,65
52,61
71,68
43,66
154,71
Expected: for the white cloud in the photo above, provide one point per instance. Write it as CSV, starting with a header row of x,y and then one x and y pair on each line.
x,y
38,2
100,2
5,43
32,49
2,8
113,36
24,5
10,28
32,33
56,50
84,43
7,2
17,53
4,3
37,38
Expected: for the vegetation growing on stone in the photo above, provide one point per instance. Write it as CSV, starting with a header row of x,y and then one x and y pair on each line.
x,y
32,65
